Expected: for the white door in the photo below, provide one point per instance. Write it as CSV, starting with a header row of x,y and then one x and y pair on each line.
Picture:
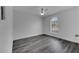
x,y
6,30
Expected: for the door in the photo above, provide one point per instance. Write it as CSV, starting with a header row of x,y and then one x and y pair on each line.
x,y
6,29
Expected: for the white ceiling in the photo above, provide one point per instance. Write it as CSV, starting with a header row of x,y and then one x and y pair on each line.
x,y
36,9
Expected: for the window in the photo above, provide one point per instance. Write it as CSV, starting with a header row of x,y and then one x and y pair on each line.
x,y
54,24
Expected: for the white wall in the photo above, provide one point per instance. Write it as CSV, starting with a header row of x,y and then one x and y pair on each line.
x,y
68,23
26,24
6,25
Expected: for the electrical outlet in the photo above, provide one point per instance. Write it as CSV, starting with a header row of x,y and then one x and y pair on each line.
x,y
76,35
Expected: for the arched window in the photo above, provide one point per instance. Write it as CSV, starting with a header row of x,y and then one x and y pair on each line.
x,y
54,24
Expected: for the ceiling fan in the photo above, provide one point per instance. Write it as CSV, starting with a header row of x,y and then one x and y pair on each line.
x,y
43,11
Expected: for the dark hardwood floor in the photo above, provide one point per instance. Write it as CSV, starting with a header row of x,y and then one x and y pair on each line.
x,y
44,44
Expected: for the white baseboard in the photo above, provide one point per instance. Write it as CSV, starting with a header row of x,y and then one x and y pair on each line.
x,y
26,36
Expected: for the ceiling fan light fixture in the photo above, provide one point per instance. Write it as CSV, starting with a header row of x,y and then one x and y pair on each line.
x,y
43,11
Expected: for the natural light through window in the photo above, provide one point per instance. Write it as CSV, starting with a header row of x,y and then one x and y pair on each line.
x,y
54,24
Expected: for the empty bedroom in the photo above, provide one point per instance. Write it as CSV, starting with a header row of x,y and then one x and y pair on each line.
x,y
45,29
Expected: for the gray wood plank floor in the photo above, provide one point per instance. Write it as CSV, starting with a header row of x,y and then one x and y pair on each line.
x,y
44,44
